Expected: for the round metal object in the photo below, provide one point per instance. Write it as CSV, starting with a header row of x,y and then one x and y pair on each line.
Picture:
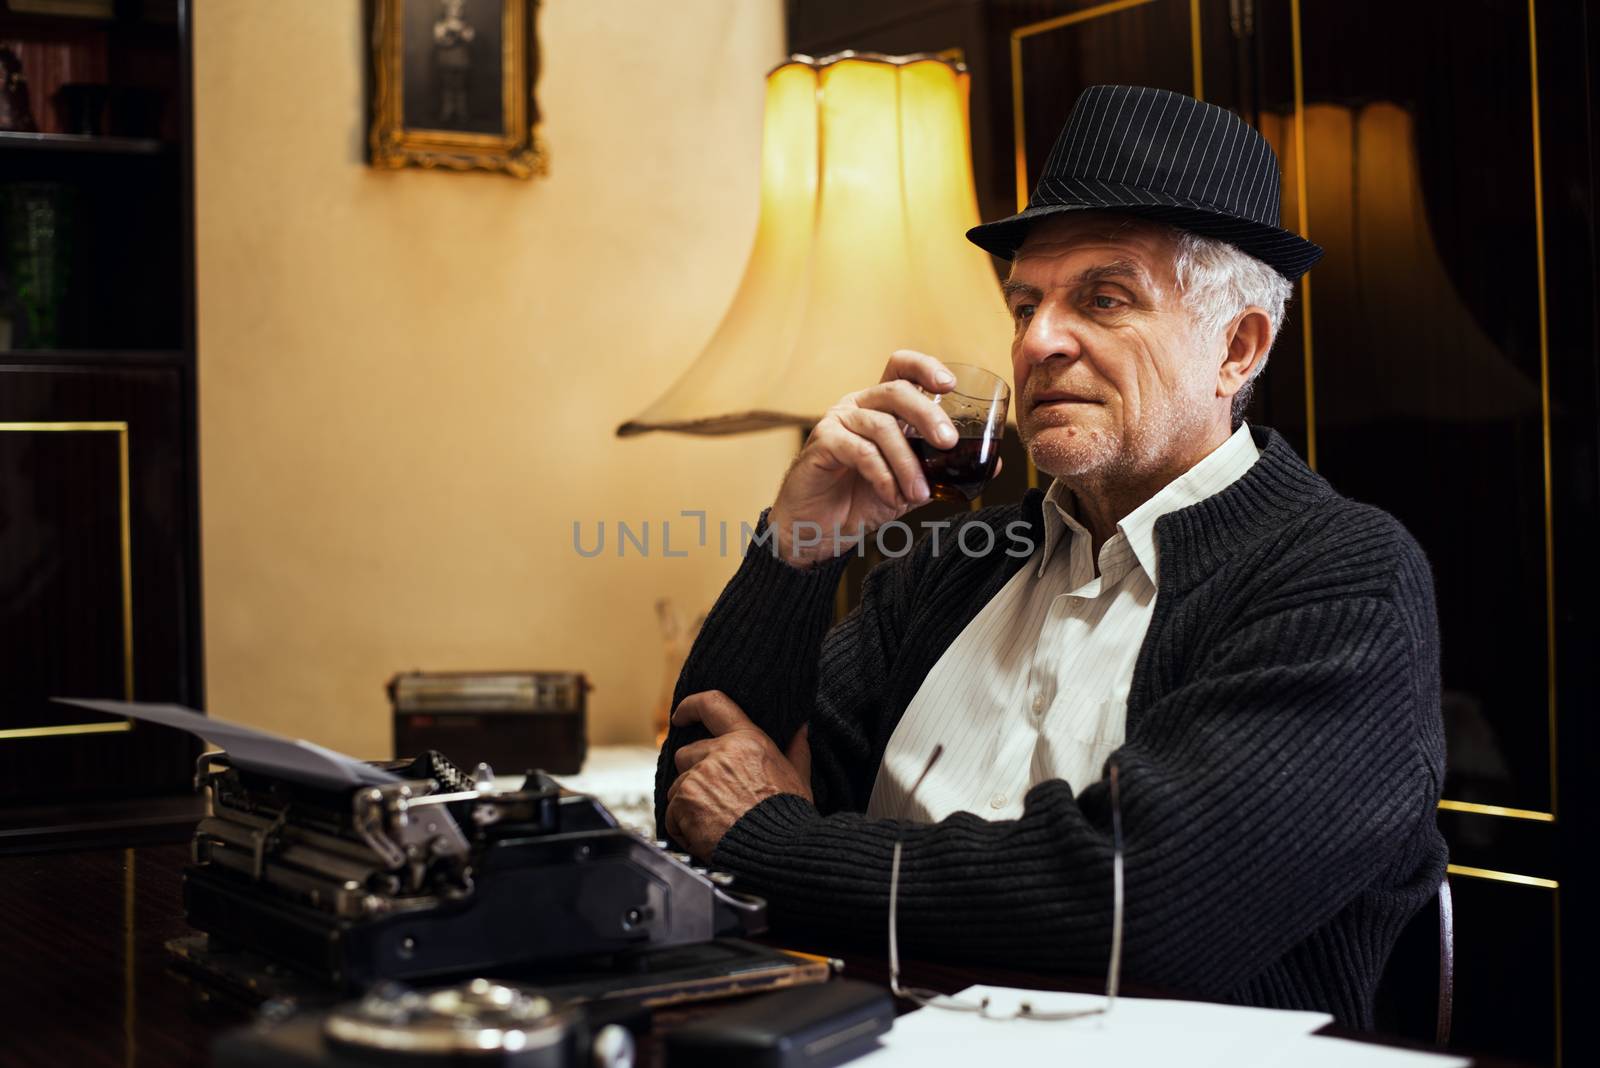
x,y
613,1048
480,1022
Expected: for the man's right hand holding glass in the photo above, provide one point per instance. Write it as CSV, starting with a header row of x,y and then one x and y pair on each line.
x,y
857,471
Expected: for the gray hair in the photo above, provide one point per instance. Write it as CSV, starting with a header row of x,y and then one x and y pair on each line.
x,y
1218,281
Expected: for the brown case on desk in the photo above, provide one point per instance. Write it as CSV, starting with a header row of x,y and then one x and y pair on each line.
x,y
512,720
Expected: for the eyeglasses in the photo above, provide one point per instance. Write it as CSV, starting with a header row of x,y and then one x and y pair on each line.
x,y
934,1000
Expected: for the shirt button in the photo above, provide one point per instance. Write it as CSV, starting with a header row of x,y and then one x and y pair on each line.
x,y
997,801
1038,703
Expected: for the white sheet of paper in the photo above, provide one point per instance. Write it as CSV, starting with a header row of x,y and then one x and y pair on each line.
x,y
256,750
1139,1032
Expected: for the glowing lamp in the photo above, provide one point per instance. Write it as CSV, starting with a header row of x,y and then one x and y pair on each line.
x,y
866,194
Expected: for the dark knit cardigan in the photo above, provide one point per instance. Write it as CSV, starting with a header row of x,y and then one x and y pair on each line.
x,y
1283,759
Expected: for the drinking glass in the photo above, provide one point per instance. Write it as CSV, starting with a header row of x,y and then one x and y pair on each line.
x,y
977,406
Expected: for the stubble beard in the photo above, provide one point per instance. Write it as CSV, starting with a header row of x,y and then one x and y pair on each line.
x,y
1074,452
1087,459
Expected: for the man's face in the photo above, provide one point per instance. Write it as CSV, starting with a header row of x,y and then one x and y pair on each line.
x,y
1111,379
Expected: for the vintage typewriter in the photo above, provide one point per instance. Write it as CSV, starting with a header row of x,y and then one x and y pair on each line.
x,y
351,872
437,873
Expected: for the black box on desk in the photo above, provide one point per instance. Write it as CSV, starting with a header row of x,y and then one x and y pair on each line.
x,y
512,720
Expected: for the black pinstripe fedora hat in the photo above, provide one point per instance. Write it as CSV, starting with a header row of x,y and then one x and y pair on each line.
x,y
1163,156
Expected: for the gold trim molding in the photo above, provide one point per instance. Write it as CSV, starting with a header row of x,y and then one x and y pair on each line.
x,y
1544,394
1194,47
125,535
1549,510
1033,29
1501,811
1058,21
1304,226
119,727
1502,876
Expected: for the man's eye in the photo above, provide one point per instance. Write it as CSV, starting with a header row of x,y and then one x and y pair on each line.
x,y
1025,311
1105,303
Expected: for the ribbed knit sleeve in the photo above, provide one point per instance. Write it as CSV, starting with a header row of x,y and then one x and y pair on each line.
x,y
761,645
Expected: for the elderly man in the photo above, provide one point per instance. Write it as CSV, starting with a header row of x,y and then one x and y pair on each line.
x,y
1257,654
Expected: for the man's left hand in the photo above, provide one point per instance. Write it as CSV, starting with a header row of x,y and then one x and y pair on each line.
x,y
724,776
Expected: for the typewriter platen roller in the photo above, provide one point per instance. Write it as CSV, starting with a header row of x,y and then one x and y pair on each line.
x,y
437,873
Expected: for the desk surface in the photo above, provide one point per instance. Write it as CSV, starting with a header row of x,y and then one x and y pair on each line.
x,y
83,977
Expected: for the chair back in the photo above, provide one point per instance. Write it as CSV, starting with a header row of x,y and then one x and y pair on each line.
x,y
1447,964
1416,994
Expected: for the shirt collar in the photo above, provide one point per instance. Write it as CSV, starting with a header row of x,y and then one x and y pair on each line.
x,y
1058,520
1223,466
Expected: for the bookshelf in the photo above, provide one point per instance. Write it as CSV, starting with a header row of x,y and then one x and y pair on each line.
x,y
99,526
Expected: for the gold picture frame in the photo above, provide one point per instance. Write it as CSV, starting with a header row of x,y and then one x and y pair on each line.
x,y
453,86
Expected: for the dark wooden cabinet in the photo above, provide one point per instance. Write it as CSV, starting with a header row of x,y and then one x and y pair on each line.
x,y
1442,363
99,554
92,469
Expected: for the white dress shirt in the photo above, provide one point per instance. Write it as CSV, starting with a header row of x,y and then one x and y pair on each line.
x,y
1036,686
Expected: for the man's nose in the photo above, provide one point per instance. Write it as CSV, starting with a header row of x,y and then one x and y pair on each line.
x,y
1052,331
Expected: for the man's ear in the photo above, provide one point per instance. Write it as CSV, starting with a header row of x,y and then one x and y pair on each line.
x,y
1249,340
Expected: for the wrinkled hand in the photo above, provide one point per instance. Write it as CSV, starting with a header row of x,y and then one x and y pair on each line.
x,y
722,777
857,470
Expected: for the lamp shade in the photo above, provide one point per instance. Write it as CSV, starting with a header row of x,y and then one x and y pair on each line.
x,y
866,197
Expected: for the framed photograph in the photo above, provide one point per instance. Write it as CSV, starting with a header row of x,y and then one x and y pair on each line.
x,y
453,85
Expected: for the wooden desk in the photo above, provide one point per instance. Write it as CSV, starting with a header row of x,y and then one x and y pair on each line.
x,y
84,980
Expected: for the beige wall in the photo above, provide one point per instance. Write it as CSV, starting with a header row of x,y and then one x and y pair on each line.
x,y
409,381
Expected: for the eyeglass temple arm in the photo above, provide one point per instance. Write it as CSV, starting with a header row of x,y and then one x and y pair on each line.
x,y
1114,972
894,932
894,881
